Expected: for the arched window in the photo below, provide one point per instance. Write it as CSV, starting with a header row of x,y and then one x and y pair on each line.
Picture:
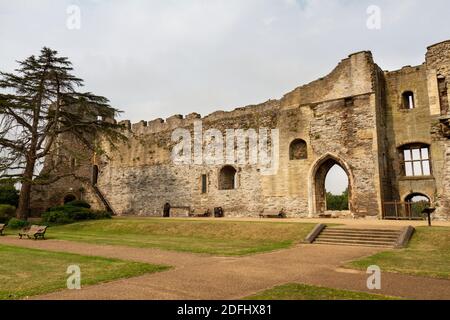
x,y
298,150
408,100
227,178
416,160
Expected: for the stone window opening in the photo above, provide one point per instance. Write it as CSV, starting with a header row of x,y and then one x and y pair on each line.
x,y
204,183
298,150
73,163
349,102
95,173
443,95
227,178
408,100
416,160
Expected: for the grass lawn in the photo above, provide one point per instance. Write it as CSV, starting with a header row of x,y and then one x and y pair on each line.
x,y
305,292
227,238
427,255
28,272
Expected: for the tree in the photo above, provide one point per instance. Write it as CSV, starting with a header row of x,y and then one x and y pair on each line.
x,y
38,104
337,203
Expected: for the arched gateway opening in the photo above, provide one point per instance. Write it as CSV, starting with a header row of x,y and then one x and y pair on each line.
x,y
69,198
415,203
330,175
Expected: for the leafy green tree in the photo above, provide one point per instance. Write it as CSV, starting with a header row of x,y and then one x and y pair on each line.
x,y
39,103
337,202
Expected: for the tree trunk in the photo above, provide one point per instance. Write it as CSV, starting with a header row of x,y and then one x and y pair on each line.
x,y
25,192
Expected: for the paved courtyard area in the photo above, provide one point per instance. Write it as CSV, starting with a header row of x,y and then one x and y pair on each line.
x,y
196,276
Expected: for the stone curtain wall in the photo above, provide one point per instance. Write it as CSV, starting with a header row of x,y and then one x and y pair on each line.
x,y
333,115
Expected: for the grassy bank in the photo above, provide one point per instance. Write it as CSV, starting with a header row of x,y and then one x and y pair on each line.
x,y
428,255
219,237
29,272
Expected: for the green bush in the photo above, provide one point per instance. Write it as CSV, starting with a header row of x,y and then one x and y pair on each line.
x,y
57,217
79,204
99,215
8,193
69,213
6,212
17,224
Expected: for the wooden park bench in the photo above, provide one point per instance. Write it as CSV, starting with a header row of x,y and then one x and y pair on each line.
x,y
2,228
34,232
180,211
273,214
207,214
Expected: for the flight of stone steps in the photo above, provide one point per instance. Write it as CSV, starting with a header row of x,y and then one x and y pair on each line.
x,y
368,237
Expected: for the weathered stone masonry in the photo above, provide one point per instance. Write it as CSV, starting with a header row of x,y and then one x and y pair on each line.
x,y
355,117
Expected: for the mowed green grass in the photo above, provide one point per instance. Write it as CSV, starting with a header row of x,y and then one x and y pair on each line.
x,y
29,272
226,238
305,292
427,255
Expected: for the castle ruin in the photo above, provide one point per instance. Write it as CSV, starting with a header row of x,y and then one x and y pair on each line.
x,y
388,130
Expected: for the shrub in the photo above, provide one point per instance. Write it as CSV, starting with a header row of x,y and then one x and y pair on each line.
x,y
79,204
17,224
6,212
69,213
57,217
99,215
8,193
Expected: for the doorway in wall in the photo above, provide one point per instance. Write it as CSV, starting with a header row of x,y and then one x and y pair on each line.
x,y
331,186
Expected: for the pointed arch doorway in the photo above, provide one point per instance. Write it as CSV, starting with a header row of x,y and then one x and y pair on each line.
x,y
318,186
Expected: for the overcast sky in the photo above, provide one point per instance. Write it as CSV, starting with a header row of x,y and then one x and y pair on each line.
x,y
156,58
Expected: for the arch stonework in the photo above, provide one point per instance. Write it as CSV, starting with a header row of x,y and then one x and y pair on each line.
x,y
298,150
317,177
418,193
227,178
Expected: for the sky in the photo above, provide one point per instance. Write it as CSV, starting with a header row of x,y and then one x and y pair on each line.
x,y
157,58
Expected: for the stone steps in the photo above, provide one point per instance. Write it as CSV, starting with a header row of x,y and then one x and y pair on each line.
x,y
386,238
354,245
